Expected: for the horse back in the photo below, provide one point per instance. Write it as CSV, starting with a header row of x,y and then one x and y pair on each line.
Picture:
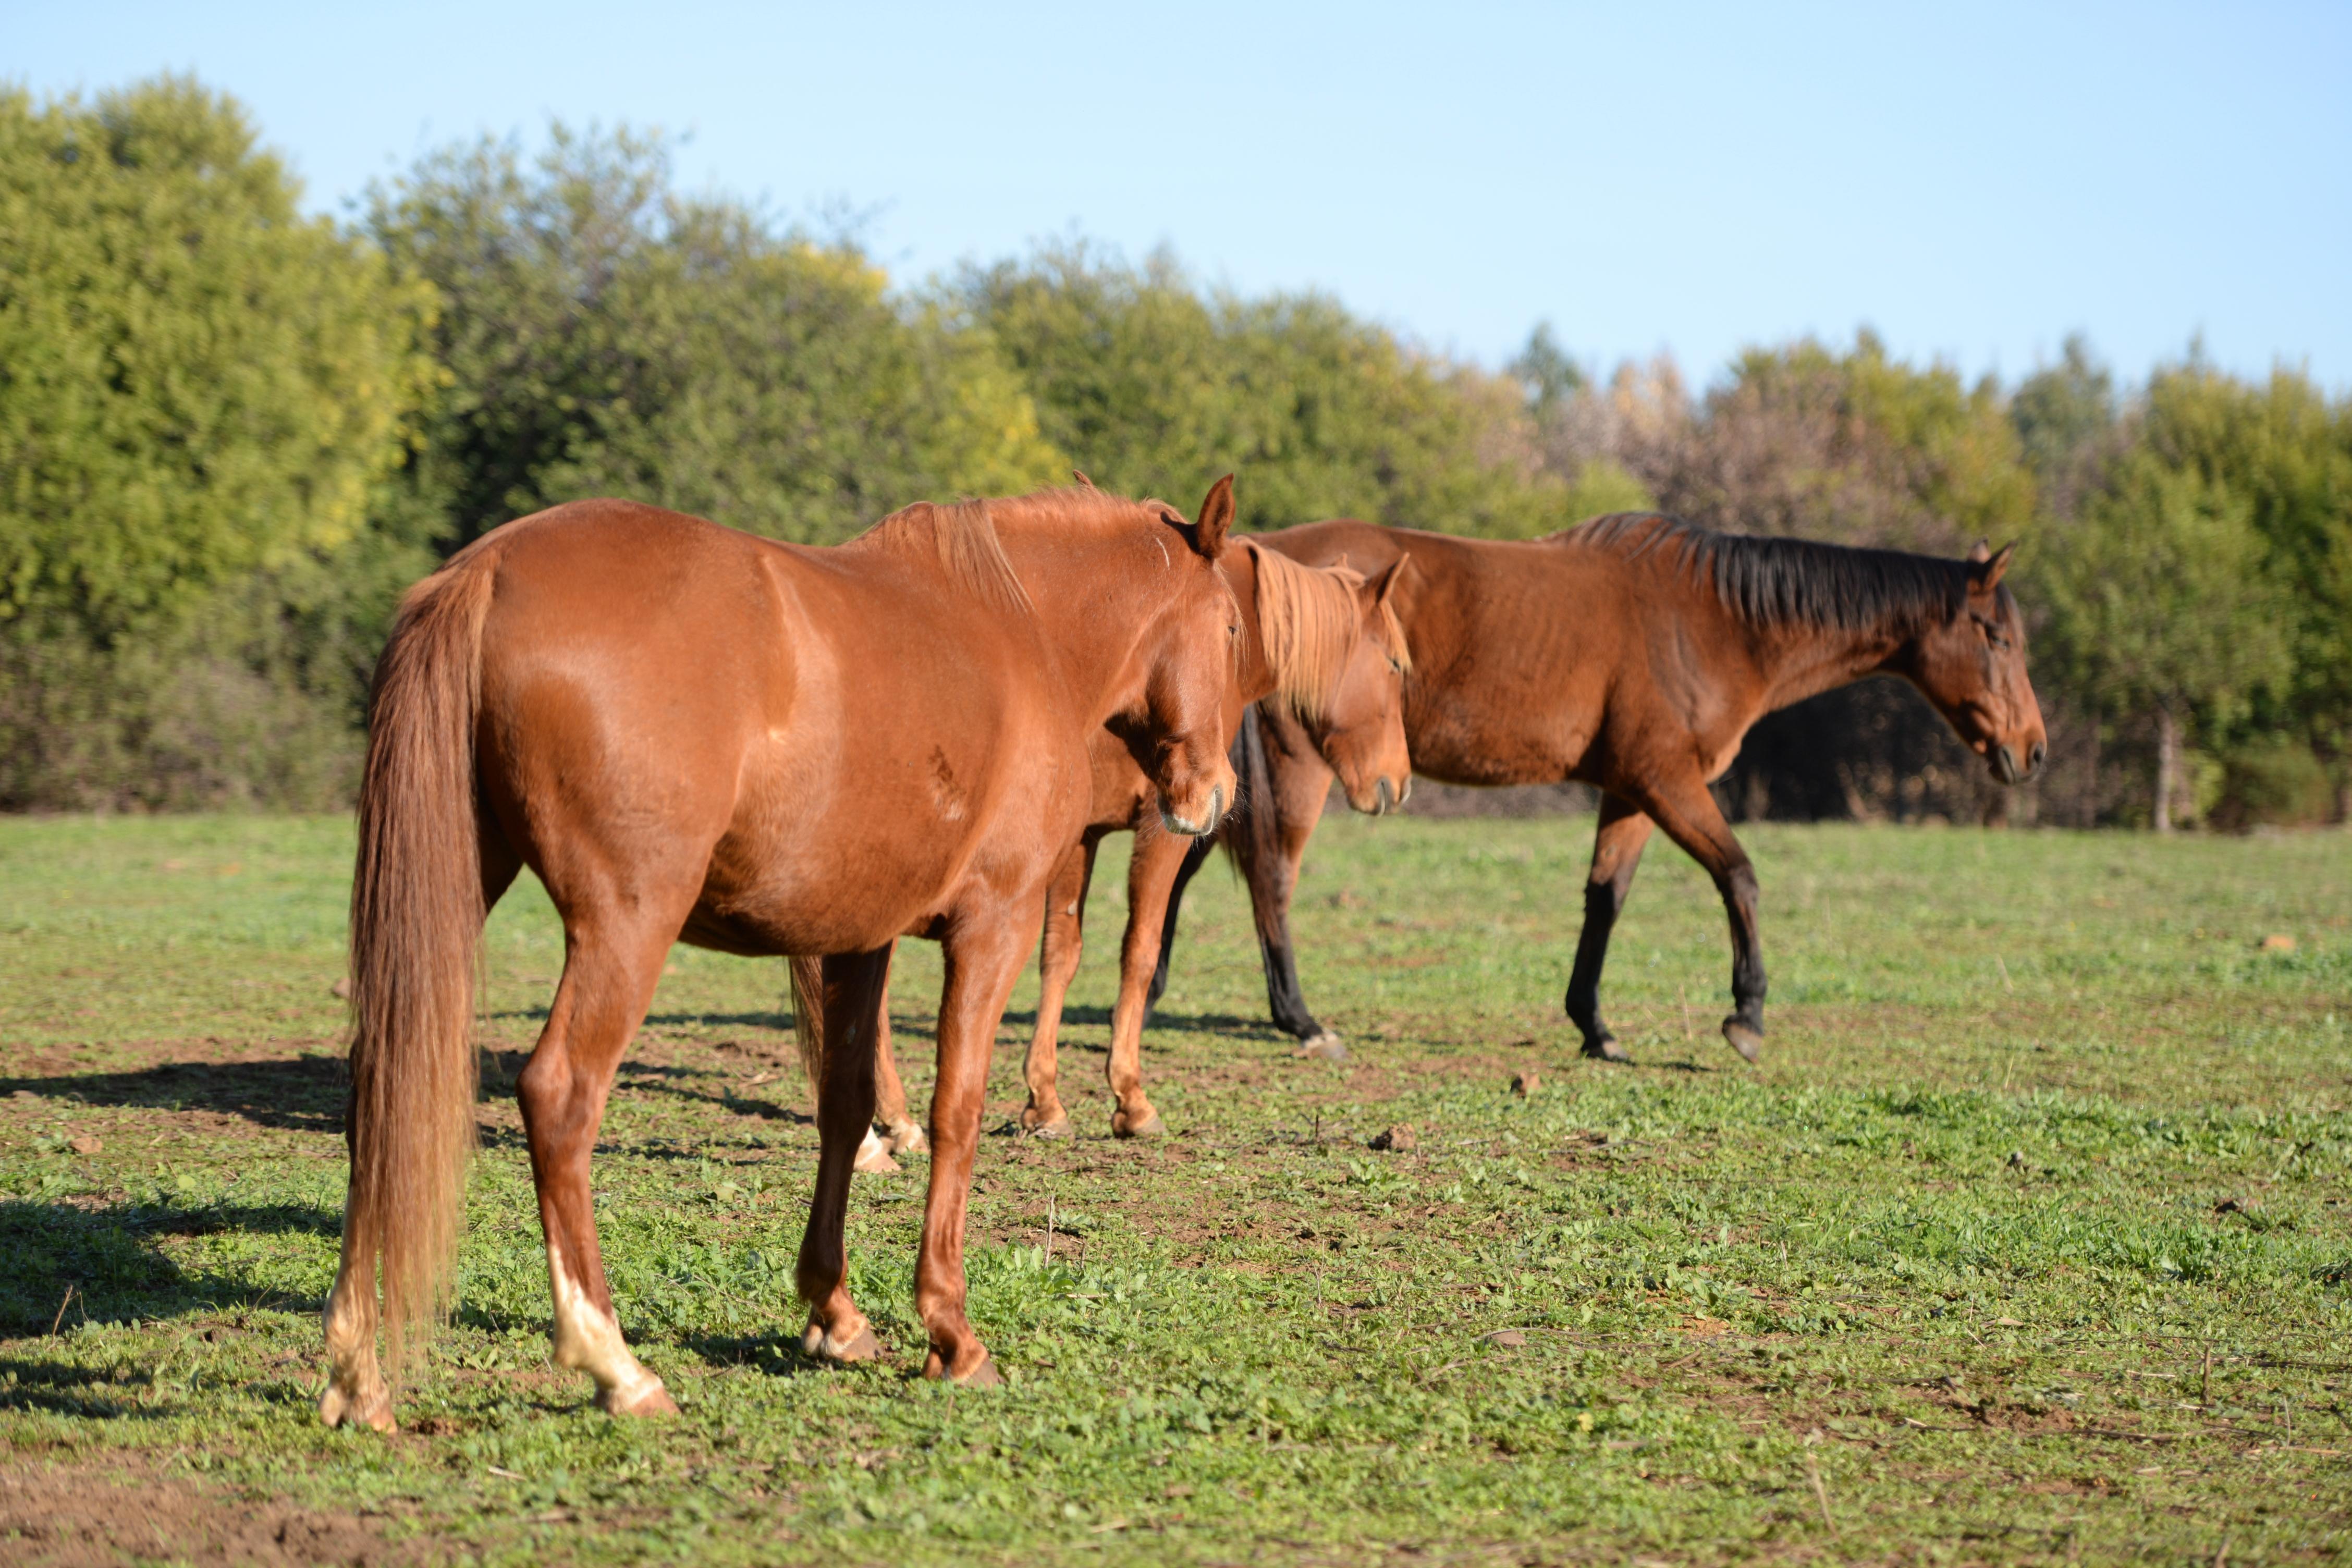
x,y
665,698
1518,647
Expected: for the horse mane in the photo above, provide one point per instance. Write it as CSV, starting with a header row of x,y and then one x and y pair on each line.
x,y
1307,620
1770,581
964,536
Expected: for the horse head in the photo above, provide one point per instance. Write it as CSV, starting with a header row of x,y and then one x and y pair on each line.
x,y
1360,729
1189,650
1972,668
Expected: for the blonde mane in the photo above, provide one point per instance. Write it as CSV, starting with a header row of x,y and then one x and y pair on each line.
x,y
1307,620
962,536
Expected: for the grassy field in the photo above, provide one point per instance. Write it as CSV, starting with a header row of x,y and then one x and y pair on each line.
x,y
2030,1239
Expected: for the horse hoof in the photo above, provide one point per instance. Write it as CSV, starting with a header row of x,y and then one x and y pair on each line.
x,y
874,1158
819,1344
1325,1047
1058,1126
1746,1038
984,1375
336,1408
1151,1126
1607,1049
907,1139
653,1401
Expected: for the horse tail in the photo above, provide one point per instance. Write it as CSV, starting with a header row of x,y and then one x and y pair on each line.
x,y
416,924
808,1019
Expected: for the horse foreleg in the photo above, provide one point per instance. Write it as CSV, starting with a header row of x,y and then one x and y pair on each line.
x,y
984,952
1196,855
1149,874
1057,963
1616,853
850,1007
1288,781
608,980
1691,818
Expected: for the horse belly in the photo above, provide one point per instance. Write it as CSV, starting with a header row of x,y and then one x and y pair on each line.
x,y
846,836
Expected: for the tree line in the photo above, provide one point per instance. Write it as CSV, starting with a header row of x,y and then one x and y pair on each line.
x,y
230,434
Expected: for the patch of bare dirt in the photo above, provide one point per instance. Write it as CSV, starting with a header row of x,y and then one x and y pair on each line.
x,y
67,1518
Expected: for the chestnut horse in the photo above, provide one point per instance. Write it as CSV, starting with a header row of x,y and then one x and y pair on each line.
x,y
692,733
1325,644
1632,652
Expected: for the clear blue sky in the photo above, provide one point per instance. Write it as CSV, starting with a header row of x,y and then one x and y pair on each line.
x,y
1975,181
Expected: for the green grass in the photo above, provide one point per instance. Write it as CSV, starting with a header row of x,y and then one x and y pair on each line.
x,y
2030,1239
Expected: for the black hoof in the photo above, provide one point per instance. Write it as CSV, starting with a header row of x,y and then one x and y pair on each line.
x,y
1607,1049
1747,1039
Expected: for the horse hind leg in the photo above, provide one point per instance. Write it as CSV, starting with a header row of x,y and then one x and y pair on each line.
x,y
608,980
902,1134
357,1395
847,1002
892,1131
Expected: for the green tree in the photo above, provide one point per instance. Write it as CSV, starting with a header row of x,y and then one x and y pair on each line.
x,y
2063,414
1857,448
2286,451
1151,385
196,380
605,335
201,391
2162,608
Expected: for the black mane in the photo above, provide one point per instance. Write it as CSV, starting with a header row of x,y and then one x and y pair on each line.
x,y
1770,581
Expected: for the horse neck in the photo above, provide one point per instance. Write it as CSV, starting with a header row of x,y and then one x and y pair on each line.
x,y
1801,661
1093,600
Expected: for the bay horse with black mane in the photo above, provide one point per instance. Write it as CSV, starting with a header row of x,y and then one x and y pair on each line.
x,y
692,733
1632,653
1322,642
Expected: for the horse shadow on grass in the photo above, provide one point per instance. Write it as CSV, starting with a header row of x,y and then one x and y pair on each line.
x,y
294,1094
68,1263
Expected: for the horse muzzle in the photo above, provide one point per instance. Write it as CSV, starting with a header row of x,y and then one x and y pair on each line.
x,y
2010,770
1214,812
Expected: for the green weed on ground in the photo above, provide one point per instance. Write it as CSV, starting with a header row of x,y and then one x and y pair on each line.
x,y
2030,1240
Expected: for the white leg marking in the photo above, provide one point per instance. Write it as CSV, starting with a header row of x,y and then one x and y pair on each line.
x,y
356,1391
589,1340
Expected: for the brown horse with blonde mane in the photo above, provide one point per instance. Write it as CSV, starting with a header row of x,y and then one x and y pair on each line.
x,y
1321,642
1632,653
692,733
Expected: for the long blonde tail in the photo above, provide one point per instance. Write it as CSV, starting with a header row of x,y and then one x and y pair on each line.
x,y
415,925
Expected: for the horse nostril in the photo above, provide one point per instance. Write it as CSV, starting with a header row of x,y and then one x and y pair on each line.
x,y
1382,791
2034,758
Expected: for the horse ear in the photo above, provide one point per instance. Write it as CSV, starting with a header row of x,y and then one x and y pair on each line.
x,y
1216,516
1390,575
1080,474
1997,564
1981,551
